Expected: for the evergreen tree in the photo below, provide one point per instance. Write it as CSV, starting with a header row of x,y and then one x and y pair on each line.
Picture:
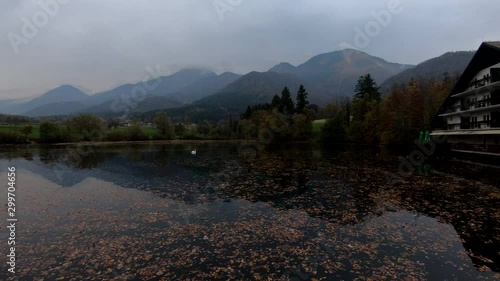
x,y
276,101
286,106
247,113
367,89
367,96
302,101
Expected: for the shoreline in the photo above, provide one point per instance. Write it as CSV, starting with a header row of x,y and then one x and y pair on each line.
x,y
99,143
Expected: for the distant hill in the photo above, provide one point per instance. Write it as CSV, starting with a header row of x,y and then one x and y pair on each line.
x,y
433,69
194,91
114,108
7,106
66,100
283,67
203,93
115,93
56,109
204,87
336,73
65,93
180,80
324,76
160,86
14,119
253,88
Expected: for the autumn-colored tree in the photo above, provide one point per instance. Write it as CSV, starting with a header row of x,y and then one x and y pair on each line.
x,y
26,131
164,126
416,107
410,108
86,127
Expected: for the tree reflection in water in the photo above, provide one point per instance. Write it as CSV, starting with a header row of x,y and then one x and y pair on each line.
x,y
340,185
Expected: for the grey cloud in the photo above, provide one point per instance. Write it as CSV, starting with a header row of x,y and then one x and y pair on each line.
x,y
99,44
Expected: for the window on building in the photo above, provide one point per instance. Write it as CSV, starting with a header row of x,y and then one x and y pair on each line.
x,y
486,121
487,99
473,122
473,102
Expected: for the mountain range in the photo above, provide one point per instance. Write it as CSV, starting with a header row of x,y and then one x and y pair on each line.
x,y
196,90
434,69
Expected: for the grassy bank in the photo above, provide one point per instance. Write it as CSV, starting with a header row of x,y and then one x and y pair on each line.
x,y
316,130
121,132
16,129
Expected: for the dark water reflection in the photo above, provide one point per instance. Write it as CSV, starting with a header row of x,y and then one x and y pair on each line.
x,y
295,212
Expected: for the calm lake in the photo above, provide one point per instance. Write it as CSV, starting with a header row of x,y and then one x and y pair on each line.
x,y
289,212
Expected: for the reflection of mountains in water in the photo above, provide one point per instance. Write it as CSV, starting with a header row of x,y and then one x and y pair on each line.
x,y
340,188
216,172
138,167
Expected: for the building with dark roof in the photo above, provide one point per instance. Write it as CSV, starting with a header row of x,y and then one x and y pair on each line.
x,y
470,116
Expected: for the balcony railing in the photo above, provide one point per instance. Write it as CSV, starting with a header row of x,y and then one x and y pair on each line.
x,y
480,103
476,125
479,83
451,112
486,88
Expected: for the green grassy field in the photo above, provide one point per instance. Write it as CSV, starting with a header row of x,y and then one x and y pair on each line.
x,y
149,131
317,125
35,133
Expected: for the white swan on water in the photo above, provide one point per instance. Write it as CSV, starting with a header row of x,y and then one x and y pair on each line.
x,y
193,152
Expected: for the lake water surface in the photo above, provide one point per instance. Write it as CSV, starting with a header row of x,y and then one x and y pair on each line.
x,y
292,212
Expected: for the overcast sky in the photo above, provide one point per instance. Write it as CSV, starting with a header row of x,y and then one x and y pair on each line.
x,y
99,44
